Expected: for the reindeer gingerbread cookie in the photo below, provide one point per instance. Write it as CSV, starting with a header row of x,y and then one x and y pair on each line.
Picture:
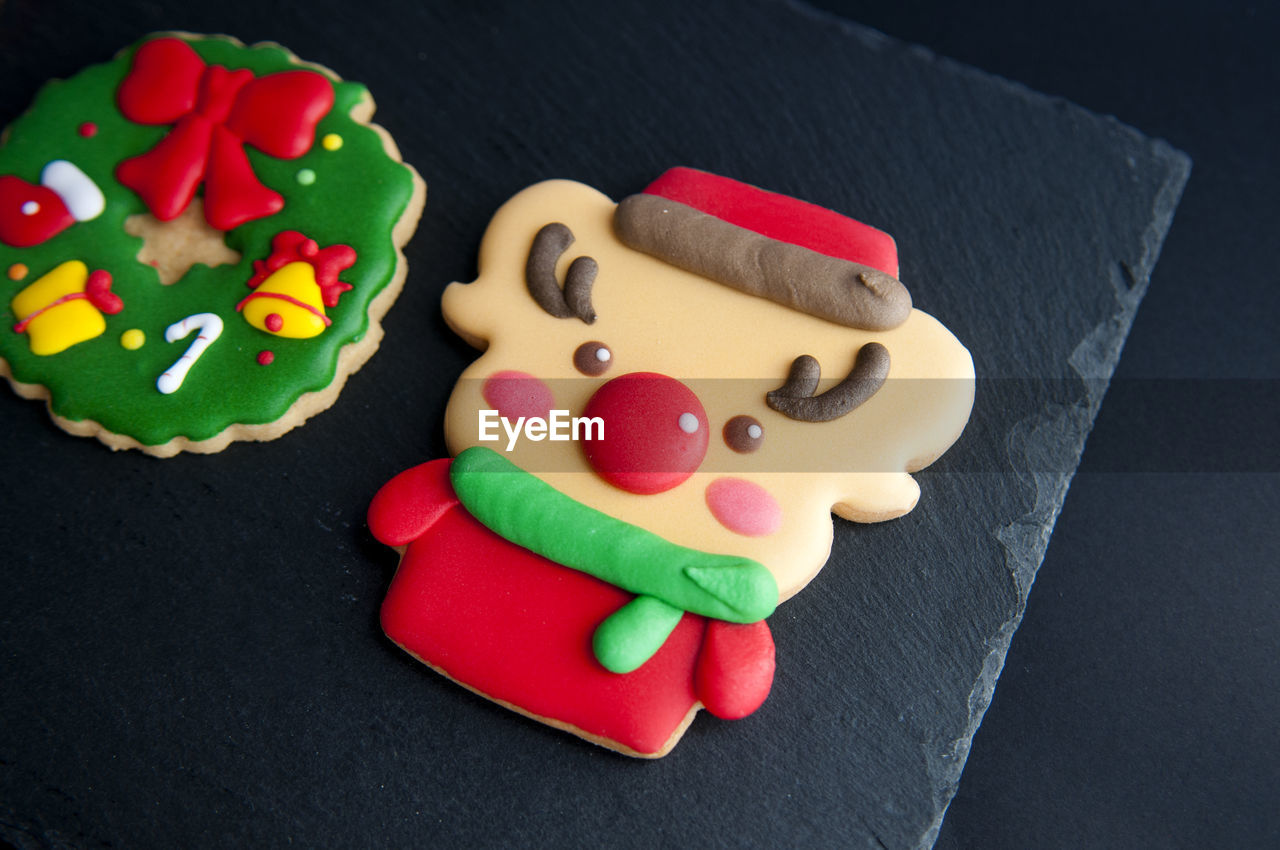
x,y
676,393
199,240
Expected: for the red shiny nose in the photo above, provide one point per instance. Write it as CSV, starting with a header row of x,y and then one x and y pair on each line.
x,y
655,432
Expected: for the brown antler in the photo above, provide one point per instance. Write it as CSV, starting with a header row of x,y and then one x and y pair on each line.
x,y
796,400
540,276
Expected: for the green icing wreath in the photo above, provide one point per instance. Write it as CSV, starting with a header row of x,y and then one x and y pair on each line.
x,y
350,191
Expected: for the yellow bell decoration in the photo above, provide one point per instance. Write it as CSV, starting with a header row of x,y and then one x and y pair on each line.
x,y
64,307
288,303
293,285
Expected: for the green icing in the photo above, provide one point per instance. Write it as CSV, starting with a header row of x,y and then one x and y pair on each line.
x,y
359,195
633,633
668,578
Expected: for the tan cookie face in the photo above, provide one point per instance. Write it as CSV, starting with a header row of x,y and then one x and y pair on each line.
x,y
767,483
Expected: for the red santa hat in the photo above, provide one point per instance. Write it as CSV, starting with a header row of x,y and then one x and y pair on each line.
x,y
31,214
790,251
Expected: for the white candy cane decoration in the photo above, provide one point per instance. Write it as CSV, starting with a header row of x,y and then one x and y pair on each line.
x,y
210,329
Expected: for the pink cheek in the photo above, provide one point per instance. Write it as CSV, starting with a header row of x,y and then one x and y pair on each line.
x,y
517,394
743,507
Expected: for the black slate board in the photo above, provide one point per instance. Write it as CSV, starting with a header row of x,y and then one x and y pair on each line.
x,y
192,654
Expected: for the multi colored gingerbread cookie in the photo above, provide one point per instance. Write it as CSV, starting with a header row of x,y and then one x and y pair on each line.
x,y
676,392
201,239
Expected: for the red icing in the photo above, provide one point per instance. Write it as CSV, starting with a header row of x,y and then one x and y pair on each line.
x,y
306,96
215,112
290,246
232,192
517,394
88,129
98,290
266,358
273,321
22,230
644,449
735,668
411,503
163,82
779,217
517,627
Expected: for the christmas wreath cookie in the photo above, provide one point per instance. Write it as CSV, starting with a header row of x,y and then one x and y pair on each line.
x,y
198,240
676,392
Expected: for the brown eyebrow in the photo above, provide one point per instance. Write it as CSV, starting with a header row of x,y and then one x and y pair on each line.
x,y
796,400
540,276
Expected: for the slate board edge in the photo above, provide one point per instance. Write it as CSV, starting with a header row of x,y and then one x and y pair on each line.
x,y
1026,540
1094,359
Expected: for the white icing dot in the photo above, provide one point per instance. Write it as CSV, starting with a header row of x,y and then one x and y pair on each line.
x,y
603,354
30,208
754,431
688,423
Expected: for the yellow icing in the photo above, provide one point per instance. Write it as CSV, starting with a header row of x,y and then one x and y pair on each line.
x,y
298,281
728,347
133,339
63,325
331,141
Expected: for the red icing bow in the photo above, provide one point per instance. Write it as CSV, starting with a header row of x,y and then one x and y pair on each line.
x,y
215,112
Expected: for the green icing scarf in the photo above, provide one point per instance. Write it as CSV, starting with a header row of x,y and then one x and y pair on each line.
x,y
668,579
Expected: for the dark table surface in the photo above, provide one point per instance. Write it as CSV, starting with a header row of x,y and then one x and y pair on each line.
x,y
1137,705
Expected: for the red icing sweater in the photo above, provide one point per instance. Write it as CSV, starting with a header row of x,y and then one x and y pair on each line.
x,y
517,627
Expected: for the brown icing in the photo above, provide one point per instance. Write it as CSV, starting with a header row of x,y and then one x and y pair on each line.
x,y
586,359
796,400
737,434
540,276
841,291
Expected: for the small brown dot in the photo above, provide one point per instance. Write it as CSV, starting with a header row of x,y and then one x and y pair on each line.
x,y
593,358
743,434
